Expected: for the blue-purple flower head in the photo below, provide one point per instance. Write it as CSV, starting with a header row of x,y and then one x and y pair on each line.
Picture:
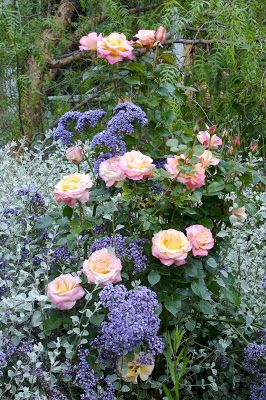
x,y
125,247
131,323
109,140
255,359
125,115
81,120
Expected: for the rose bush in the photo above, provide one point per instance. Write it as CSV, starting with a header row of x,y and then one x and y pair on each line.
x,y
123,292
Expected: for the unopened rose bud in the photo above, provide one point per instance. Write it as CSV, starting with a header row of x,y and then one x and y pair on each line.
x,y
212,128
236,141
160,34
254,147
75,154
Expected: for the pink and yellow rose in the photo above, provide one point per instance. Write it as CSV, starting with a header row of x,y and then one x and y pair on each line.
x,y
209,141
194,179
103,267
110,171
73,188
114,48
64,291
136,165
89,42
201,239
207,159
172,164
170,247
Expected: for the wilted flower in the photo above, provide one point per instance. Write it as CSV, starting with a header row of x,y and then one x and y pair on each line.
x,y
238,215
141,366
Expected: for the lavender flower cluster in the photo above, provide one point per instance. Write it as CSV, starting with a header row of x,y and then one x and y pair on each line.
x,y
132,322
9,349
82,120
255,364
124,246
88,381
125,115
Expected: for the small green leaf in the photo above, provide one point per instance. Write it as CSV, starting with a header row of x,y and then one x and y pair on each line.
x,y
200,289
67,212
54,321
154,277
205,307
44,222
190,325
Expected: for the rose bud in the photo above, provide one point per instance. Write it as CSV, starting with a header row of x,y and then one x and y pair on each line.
x,y
75,154
212,128
160,34
236,140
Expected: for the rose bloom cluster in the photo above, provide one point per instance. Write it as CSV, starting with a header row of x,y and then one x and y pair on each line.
x,y
115,47
172,247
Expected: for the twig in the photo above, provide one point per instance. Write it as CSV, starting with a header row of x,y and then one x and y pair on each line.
x,y
75,108
69,58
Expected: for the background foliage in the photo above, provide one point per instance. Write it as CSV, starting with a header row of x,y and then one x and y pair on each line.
x,y
222,82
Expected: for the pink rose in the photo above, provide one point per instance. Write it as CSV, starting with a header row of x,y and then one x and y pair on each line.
x,y
73,188
172,164
170,247
201,239
208,141
160,34
194,179
75,154
136,165
88,42
114,48
207,159
146,38
103,267
110,171
64,291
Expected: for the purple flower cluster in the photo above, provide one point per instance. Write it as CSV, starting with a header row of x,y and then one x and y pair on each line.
x,y
108,139
53,392
88,118
62,254
124,246
132,322
30,193
9,349
254,355
10,212
258,391
88,381
124,115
